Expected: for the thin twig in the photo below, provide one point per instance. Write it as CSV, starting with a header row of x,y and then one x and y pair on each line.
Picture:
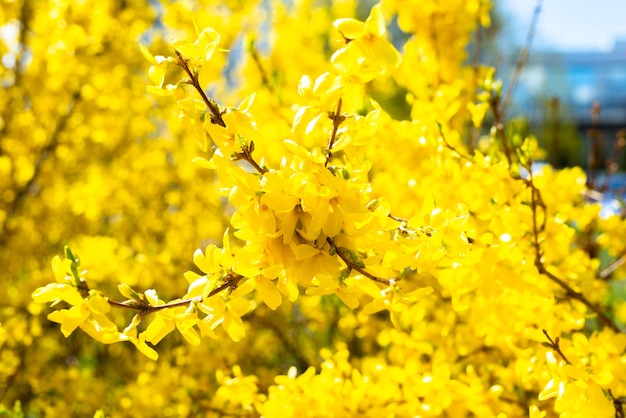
x,y
595,135
354,266
216,115
22,192
498,118
451,147
231,282
265,80
477,350
542,269
268,84
477,46
11,108
397,218
614,265
521,61
612,164
554,345
337,119
554,141
246,155
618,404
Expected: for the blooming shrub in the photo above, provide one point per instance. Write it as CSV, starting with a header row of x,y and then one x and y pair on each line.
x,y
270,239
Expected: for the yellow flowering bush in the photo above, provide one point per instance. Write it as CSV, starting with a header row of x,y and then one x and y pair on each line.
x,y
266,238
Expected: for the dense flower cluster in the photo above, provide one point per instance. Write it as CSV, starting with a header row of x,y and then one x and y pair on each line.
x,y
341,261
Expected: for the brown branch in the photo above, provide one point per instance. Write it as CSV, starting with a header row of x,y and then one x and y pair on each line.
x,y
498,118
246,155
477,350
287,343
614,265
337,119
265,80
351,265
451,147
231,282
521,61
11,108
554,345
542,269
9,381
224,413
477,46
22,192
612,164
216,115
595,135
618,404
397,218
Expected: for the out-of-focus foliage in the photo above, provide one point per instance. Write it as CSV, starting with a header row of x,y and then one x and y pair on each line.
x,y
263,239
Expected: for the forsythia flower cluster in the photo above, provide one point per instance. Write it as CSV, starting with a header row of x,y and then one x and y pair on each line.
x,y
347,262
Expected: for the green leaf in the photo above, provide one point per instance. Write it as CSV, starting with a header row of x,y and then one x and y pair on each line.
x,y
70,255
345,273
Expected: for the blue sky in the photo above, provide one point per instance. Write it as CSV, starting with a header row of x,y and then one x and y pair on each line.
x,y
568,25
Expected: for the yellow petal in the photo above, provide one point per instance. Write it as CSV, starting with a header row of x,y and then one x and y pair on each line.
x,y
350,28
384,52
147,55
304,251
57,291
417,294
296,149
200,260
197,287
59,270
157,75
288,225
244,288
151,296
127,291
348,298
245,104
550,391
158,329
305,87
270,295
333,223
144,348
207,42
374,306
234,327
239,306
69,319
288,288
190,335
603,379
600,403
375,22
98,304
536,412
157,91
326,84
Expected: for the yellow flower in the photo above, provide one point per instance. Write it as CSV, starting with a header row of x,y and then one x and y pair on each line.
x,y
70,319
201,50
56,292
157,70
368,36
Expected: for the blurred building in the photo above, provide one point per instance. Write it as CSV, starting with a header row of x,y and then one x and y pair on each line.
x,y
556,89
